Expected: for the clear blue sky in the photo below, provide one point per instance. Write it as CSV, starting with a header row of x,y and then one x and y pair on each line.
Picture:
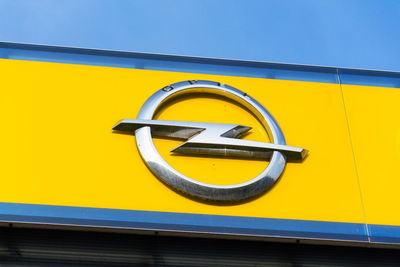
x,y
345,33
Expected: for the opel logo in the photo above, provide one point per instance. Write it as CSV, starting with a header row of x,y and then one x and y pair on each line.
x,y
211,139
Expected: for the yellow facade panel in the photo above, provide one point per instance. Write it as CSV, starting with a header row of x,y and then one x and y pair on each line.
x,y
374,119
58,147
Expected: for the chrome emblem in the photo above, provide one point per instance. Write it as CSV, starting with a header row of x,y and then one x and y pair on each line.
x,y
211,139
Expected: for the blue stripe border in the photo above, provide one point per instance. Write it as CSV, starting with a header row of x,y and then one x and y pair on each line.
x,y
384,233
168,221
124,59
135,60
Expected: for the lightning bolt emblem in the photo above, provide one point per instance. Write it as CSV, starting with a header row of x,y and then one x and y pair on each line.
x,y
211,139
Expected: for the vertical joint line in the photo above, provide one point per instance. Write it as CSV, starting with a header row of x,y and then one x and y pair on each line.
x,y
354,157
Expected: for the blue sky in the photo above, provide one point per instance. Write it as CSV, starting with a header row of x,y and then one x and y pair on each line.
x,y
344,33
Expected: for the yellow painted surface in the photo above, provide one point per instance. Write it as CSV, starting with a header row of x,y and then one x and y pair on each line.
x,y
374,119
57,146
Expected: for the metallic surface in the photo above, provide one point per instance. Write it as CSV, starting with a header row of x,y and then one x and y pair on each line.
x,y
47,248
213,140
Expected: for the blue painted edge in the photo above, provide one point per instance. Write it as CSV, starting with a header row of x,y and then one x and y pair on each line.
x,y
123,59
367,78
384,233
163,62
169,221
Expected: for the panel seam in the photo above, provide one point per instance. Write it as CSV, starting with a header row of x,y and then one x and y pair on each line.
x,y
354,158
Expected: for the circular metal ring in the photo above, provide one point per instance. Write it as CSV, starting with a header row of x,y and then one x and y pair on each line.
x,y
180,182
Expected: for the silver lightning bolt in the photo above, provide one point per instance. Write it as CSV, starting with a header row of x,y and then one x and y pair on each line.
x,y
213,139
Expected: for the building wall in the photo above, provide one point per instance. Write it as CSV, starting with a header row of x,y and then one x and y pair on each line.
x,y
353,112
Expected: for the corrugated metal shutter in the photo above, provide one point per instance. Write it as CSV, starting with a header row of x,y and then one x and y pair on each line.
x,y
38,247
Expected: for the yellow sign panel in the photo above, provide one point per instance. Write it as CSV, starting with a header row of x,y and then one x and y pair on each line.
x,y
58,147
374,114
